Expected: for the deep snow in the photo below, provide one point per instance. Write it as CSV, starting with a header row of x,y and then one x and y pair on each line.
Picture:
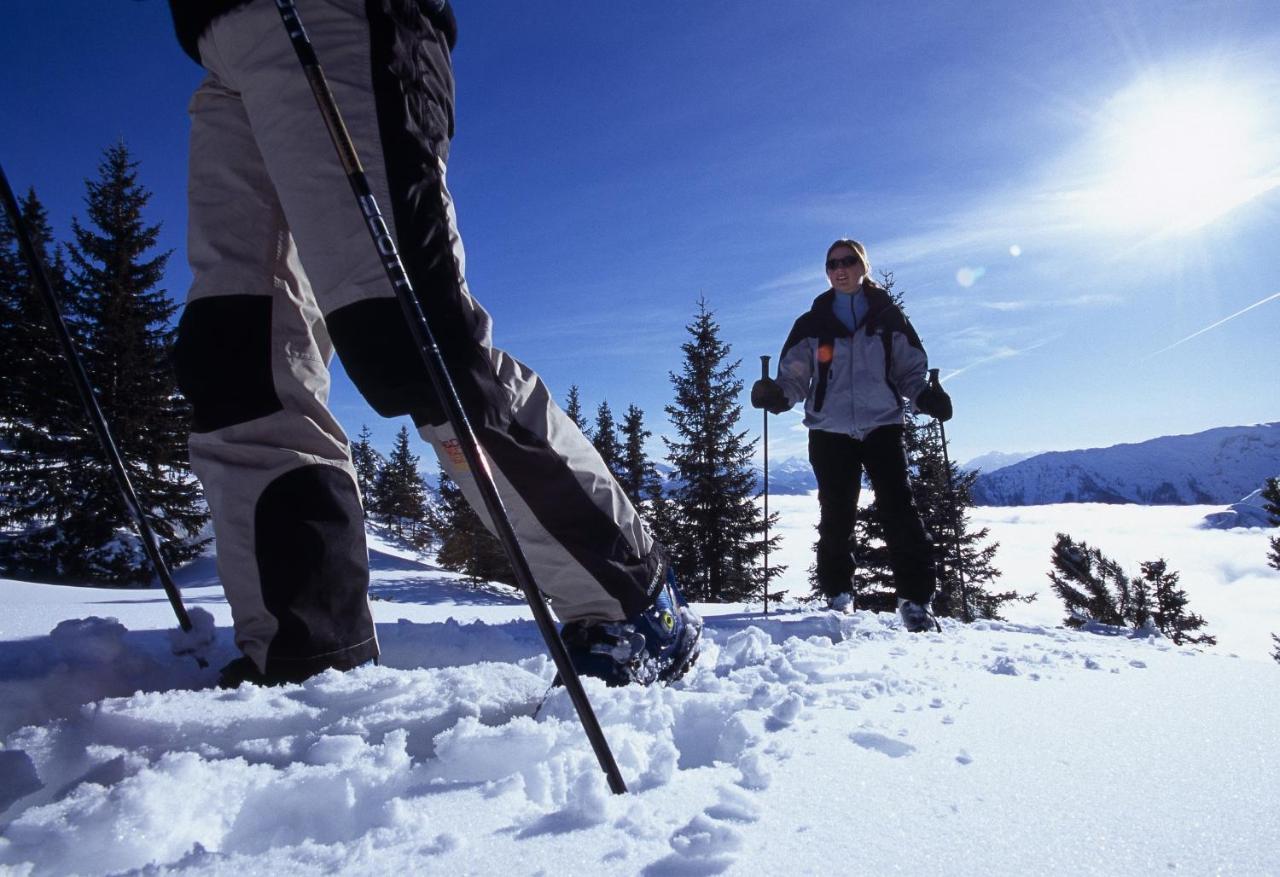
x,y
805,742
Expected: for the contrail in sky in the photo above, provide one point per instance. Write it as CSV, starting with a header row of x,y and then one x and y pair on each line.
x,y
1212,326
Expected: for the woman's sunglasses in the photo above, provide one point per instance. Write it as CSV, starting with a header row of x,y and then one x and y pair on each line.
x,y
843,262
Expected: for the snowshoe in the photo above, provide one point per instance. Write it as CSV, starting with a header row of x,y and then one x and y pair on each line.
x,y
658,644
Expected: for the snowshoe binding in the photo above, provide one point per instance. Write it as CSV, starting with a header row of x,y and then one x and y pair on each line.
x,y
658,644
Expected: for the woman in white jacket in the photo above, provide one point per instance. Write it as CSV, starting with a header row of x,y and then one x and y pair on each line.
x,y
853,358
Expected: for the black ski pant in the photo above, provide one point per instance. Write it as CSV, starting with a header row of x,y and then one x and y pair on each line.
x,y
838,462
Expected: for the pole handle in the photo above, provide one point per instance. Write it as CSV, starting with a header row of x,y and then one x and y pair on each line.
x,y
933,379
764,366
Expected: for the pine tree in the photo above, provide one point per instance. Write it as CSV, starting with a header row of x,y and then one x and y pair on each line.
x,y
123,321
1095,589
399,490
1271,496
368,462
716,532
42,426
636,472
1276,654
466,546
944,496
573,407
605,438
1171,614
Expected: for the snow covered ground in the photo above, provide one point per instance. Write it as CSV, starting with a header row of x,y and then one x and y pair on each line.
x,y
805,742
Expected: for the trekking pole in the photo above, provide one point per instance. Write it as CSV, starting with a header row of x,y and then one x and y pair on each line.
x,y
764,374
40,279
389,255
966,614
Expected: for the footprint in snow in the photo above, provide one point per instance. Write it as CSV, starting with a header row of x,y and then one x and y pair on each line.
x,y
734,806
784,713
882,744
703,846
1004,666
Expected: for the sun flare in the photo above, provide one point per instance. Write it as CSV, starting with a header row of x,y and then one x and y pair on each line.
x,y
1175,157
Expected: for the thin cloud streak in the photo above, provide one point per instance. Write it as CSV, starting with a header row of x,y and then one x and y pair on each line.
x,y
1003,353
1079,301
1211,326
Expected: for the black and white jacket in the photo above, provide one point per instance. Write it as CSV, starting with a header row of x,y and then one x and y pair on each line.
x,y
853,382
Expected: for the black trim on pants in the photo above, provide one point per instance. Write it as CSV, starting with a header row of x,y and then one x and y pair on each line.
x,y
383,361
314,569
222,360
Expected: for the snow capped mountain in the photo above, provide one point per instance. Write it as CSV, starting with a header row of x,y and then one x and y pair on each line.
x,y
1216,466
790,477
994,460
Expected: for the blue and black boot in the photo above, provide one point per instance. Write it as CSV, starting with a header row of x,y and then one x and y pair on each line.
x,y
658,644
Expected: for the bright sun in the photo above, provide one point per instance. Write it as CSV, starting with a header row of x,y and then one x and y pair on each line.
x,y
1174,158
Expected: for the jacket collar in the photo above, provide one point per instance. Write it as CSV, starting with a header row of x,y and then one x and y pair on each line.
x,y
823,313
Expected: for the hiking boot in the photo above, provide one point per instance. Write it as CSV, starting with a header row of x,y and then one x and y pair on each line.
x,y
841,602
658,644
916,617
243,670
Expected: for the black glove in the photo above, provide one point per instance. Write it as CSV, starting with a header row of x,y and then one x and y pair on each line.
x,y
934,402
766,393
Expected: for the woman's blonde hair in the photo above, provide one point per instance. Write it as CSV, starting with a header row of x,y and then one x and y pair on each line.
x,y
860,251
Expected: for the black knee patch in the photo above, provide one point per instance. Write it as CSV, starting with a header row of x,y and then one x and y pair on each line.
x,y
222,358
313,565
383,360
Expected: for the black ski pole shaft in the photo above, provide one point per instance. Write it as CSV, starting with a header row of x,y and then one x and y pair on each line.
x,y
966,614
444,386
764,374
40,280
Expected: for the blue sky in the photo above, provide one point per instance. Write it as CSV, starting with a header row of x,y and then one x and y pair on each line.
x,y
1063,191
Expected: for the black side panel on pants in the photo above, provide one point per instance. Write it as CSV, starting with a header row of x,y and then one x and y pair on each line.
x,y
383,360
313,563
222,358
414,82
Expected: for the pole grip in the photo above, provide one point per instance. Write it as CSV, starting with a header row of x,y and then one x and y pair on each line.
x,y
933,378
764,367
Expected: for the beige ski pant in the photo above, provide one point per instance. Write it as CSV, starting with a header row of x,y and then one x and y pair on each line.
x,y
285,273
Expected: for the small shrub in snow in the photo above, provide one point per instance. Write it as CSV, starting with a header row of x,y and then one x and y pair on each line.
x,y
1096,591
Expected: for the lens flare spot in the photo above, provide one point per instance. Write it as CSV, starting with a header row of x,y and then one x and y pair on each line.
x,y
967,276
1015,251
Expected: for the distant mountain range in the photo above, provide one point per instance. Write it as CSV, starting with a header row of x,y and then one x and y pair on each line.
x,y
994,460
1216,466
